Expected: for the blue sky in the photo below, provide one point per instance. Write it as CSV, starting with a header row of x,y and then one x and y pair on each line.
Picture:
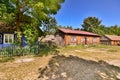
x,y
73,12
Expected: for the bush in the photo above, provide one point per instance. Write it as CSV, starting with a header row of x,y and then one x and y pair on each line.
x,y
47,48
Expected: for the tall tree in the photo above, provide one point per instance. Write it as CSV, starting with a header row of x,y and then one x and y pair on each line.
x,y
30,13
90,23
68,27
114,30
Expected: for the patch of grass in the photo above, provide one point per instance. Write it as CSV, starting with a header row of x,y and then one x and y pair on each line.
x,y
83,46
48,49
6,59
45,51
76,46
99,46
96,52
112,50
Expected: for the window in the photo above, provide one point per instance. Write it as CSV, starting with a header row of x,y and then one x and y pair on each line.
x,y
82,39
87,39
8,38
73,38
95,40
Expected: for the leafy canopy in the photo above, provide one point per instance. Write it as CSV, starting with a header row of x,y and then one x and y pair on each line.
x,y
93,24
90,23
28,13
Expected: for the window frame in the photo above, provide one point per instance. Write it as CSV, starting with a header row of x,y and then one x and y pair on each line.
x,y
82,39
73,39
8,37
94,40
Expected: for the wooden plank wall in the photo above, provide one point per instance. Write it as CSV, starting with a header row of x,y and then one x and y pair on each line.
x,y
79,38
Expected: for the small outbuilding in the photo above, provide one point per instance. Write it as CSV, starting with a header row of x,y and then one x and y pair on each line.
x,y
110,40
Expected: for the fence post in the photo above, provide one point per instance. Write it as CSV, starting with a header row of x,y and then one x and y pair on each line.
x,y
12,51
38,47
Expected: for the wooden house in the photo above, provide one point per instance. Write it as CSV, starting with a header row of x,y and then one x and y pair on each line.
x,y
7,36
110,40
76,37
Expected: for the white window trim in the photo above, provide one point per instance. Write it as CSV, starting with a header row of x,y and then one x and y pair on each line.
x,y
73,39
95,40
8,38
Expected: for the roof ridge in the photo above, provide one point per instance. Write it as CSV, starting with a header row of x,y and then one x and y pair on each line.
x,y
72,31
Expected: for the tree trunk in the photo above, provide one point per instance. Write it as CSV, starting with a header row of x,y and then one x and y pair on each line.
x,y
18,19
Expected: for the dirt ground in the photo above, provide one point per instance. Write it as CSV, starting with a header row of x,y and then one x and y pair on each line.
x,y
24,68
109,54
74,68
27,68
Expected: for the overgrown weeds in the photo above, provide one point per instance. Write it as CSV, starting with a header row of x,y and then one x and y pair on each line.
x,y
41,49
48,48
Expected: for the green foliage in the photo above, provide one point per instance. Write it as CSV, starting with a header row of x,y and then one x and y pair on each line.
x,y
66,27
90,23
31,14
47,49
93,24
115,30
49,26
31,34
19,37
13,51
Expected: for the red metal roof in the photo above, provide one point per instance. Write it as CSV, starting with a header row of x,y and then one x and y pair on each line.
x,y
70,31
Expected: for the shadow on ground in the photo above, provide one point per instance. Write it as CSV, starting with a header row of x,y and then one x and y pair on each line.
x,y
74,68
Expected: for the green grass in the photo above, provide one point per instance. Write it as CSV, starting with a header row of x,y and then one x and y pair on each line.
x,y
25,71
96,52
112,50
46,50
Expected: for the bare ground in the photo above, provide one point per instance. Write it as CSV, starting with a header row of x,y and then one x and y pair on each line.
x,y
109,54
22,70
26,68
74,68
